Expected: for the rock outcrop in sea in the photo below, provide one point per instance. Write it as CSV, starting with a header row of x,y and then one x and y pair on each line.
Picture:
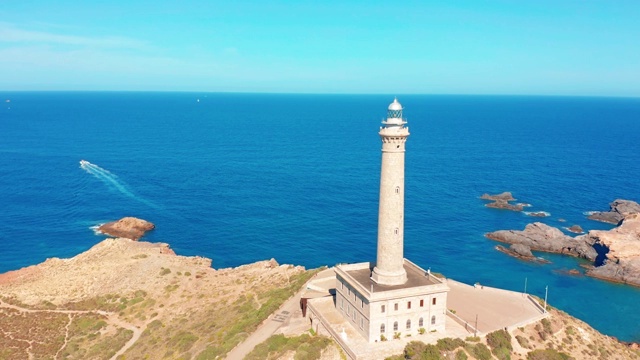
x,y
615,253
127,227
501,201
618,209
620,249
541,237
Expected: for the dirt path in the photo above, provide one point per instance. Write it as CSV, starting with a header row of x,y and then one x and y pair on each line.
x,y
273,322
112,318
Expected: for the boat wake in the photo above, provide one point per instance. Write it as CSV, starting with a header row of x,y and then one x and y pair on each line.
x,y
112,181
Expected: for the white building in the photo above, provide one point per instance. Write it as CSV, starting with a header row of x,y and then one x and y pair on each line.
x,y
392,297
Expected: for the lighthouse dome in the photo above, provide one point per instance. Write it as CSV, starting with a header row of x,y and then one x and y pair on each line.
x,y
395,105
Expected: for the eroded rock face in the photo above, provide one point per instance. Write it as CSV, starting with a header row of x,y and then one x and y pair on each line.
x,y
621,250
618,209
127,227
541,237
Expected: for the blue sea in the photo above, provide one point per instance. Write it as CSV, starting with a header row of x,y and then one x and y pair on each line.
x,y
245,177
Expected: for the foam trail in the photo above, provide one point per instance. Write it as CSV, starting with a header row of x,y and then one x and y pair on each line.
x,y
112,181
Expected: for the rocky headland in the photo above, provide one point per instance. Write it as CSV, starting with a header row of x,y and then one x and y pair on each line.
x,y
137,300
618,209
502,201
127,227
615,253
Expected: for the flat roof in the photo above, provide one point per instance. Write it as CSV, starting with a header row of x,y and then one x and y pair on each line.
x,y
415,278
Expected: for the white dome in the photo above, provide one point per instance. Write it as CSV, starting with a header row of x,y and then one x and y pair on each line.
x,y
395,105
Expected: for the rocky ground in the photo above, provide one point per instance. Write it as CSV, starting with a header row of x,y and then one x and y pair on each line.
x,y
135,300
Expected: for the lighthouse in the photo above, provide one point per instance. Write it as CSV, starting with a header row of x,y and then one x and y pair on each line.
x,y
392,295
389,269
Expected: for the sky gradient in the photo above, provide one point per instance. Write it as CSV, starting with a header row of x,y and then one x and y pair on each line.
x,y
423,47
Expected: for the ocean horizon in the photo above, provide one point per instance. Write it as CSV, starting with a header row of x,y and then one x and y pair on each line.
x,y
242,177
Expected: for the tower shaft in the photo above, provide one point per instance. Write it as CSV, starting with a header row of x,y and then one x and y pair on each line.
x,y
389,269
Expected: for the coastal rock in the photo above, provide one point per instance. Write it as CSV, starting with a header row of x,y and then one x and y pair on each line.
x,y
541,237
618,209
619,250
576,229
127,227
501,201
522,252
521,249
505,196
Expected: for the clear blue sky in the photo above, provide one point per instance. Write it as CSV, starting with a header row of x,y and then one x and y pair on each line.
x,y
430,47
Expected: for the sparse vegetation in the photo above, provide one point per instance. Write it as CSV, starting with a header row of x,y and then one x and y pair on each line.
x,y
304,346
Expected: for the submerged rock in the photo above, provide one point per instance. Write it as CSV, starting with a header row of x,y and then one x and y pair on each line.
x,y
576,229
618,209
127,227
505,196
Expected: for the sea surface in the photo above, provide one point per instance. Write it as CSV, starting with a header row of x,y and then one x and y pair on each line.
x,y
246,177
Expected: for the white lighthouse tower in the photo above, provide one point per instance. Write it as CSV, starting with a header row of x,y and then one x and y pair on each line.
x,y
392,295
389,268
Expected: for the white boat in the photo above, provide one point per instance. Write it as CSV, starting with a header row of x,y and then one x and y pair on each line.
x,y
84,163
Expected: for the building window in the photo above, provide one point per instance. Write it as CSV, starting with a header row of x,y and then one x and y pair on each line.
x,y
341,303
341,285
349,290
355,297
395,306
382,328
409,324
421,303
354,315
362,303
421,322
395,326
397,189
348,309
433,301
433,320
409,305
382,308
361,323
395,231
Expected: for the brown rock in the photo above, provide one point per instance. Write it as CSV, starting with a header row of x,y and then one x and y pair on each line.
x,y
619,251
618,209
505,196
501,204
542,237
128,227
576,229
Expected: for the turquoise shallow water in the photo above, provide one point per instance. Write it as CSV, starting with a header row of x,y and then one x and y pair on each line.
x,y
246,177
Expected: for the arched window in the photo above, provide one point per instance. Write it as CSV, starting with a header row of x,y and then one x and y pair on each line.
x,y
382,329
433,320
421,322
409,324
395,326
397,189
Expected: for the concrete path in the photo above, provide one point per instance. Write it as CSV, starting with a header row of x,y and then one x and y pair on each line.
x,y
274,321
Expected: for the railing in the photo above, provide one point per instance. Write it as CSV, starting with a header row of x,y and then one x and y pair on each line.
x,y
536,303
463,322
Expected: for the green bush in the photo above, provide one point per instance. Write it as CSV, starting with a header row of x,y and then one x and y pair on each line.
x,y
414,350
449,344
481,352
431,352
546,324
523,341
499,339
547,354
461,355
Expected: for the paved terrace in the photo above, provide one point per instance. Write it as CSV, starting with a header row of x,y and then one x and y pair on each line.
x,y
496,308
414,278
